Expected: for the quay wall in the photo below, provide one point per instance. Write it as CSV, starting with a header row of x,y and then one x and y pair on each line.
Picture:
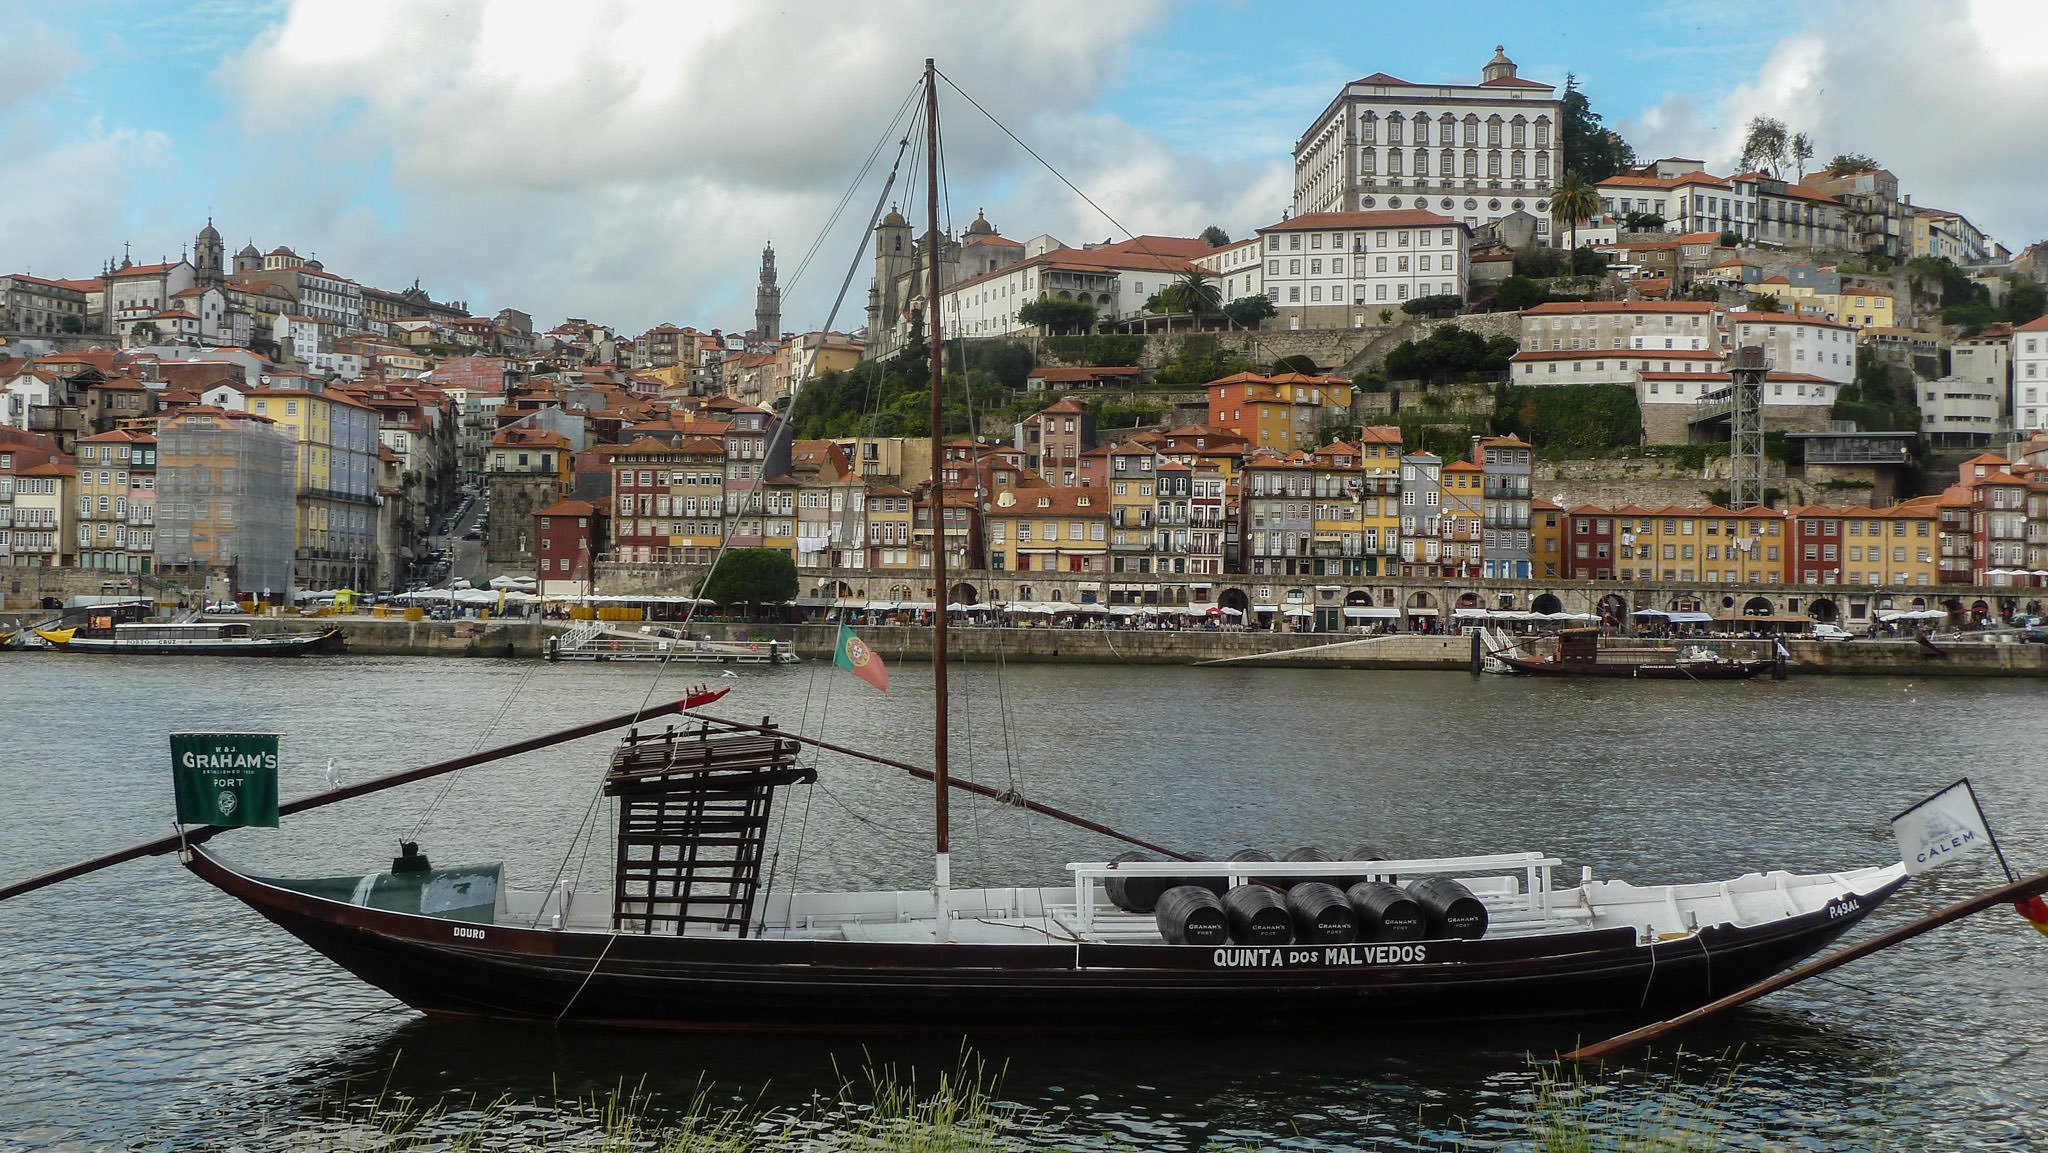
x,y
910,644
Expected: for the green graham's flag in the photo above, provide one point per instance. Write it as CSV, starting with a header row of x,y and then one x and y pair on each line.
x,y
225,778
853,655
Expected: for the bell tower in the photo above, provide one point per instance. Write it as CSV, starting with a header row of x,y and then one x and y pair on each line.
x,y
768,300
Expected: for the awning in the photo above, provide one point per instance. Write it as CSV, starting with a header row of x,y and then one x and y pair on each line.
x,y
1691,618
1470,611
1370,613
1421,612
1265,608
1299,612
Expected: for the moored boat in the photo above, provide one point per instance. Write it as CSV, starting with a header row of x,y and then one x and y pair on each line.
x,y
1579,655
195,638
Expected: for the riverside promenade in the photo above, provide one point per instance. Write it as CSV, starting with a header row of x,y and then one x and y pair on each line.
x,y
522,639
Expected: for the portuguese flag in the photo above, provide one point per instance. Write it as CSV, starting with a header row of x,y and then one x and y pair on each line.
x,y
851,654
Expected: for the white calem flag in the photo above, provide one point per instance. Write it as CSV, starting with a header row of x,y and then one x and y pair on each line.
x,y
1947,824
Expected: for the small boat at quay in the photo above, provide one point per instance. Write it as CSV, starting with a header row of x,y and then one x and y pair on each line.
x,y
195,638
1578,655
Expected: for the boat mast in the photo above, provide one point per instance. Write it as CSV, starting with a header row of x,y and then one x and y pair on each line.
x,y
942,864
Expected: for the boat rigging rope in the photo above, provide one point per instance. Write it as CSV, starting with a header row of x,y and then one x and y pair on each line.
x,y
448,786
601,955
555,885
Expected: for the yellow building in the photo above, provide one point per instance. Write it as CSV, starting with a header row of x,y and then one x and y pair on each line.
x,y
1546,538
1858,308
1910,558
1707,543
1048,530
117,501
336,530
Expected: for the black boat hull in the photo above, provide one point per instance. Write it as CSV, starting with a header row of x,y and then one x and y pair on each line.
x,y
463,969
1730,670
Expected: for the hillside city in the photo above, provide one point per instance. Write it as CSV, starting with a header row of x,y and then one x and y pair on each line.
x,y
1485,341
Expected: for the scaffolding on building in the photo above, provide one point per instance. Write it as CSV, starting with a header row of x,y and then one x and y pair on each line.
x,y
226,500
1746,371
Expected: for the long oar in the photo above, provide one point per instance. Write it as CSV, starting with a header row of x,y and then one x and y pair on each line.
x,y
1008,798
376,784
2017,891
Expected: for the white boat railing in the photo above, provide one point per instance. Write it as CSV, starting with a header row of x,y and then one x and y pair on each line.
x,y
1533,898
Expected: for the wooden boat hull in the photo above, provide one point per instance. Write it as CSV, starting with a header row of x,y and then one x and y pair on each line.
x,y
449,967
1729,670
329,640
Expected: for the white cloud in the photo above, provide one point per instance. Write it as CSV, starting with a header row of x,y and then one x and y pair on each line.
x,y
73,187
625,161
1949,99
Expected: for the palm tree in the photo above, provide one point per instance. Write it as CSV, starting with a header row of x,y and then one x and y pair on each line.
x,y
1572,201
1194,291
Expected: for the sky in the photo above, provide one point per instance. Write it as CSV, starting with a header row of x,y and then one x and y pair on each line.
x,y
625,161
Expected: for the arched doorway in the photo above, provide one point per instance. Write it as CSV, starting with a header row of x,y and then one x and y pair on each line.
x,y
1823,610
1546,603
1979,610
963,594
1234,599
1613,609
1422,612
1757,607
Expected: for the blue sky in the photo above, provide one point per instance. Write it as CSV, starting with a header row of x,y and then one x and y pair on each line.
x,y
625,161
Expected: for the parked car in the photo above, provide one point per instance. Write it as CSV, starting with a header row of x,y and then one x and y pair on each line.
x,y
223,607
1832,633
473,534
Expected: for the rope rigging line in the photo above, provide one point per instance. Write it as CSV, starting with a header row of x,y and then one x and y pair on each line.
x,y
783,428
1048,166
853,186
491,726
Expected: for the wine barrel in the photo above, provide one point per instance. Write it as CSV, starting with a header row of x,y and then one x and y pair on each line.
x,y
1258,916
1451,908
1321,914
1386,912
1361,853
1191,915
1255,855
1135,894
1310,853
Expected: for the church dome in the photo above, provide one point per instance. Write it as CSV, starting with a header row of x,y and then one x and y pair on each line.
x,y
249,250
981,226
894,219
209,232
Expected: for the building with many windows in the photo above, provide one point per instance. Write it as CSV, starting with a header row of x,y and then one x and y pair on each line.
x,y
1341,269
117,501
336,434
226,506
1474,152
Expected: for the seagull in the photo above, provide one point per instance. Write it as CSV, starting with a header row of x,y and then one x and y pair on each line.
x,y
730,673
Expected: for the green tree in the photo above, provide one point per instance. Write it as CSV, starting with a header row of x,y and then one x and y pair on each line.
x,y
1730,238
1586,262
1248,311
1440,304
1519,292
1451,352
71,325
1305,365
1593,151
1194,291
1801,149
1215,237
1765,302
2025,301
144,333
1574,200
1849,163
1766,145
1058,314
1642,222
752,576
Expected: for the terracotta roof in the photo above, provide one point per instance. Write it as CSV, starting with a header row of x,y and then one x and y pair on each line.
x,y
570,507
1586,307
1381,78
1782,318
1617,354
1513,82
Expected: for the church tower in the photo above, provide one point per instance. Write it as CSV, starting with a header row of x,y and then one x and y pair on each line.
x,y
209,256
768,300
1498,68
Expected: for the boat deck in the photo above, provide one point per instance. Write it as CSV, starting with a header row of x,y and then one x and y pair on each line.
x,y
1052,915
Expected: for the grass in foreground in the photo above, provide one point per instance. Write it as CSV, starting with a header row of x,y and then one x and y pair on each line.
x,y
882,1111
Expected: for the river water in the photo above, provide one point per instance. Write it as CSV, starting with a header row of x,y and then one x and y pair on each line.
x,y
141,1009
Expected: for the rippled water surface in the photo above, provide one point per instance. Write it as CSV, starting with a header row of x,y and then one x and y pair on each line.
x,y
141,1009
